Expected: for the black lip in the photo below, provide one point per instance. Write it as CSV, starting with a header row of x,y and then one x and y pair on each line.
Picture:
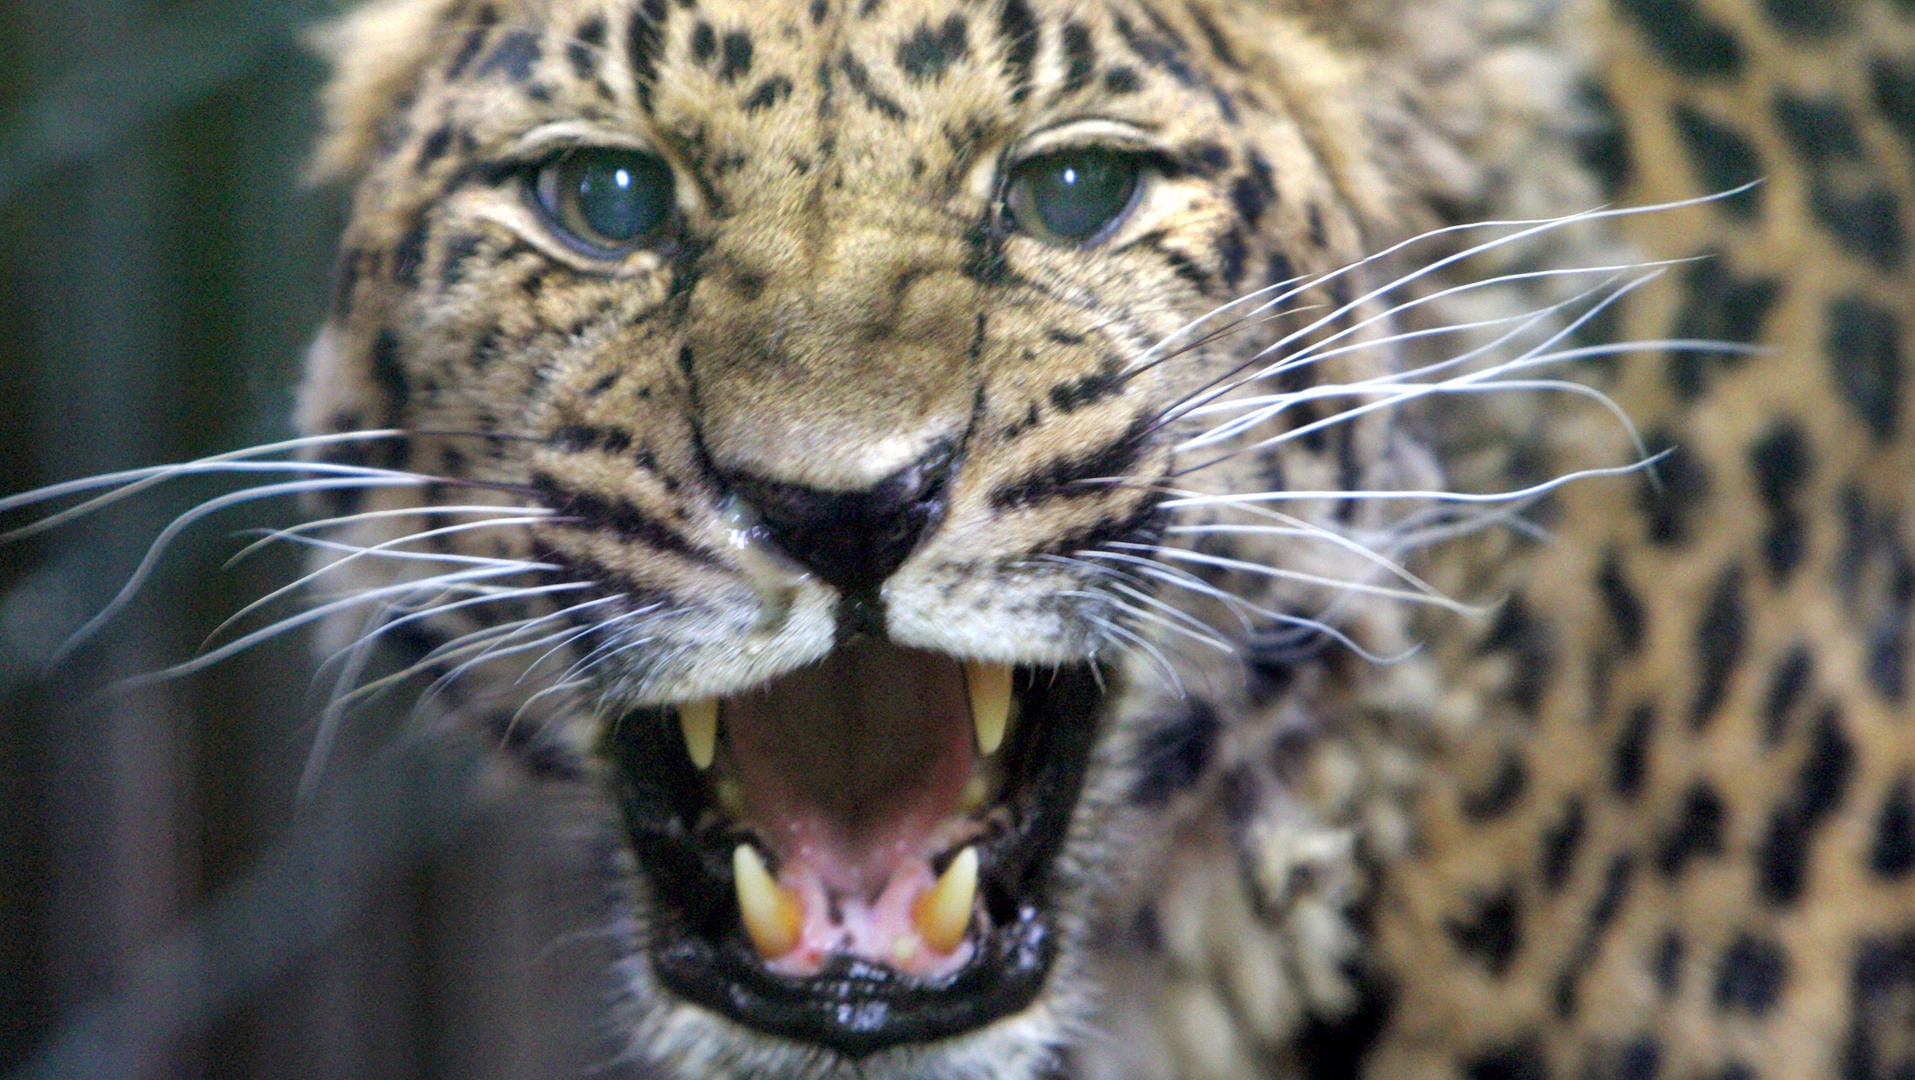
x,y
698,948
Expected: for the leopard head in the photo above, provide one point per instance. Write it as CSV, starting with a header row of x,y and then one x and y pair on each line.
x,y
828,412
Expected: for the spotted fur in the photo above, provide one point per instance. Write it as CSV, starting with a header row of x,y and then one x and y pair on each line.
x,y
1648,812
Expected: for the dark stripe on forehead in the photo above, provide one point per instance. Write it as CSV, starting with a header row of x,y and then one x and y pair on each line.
x,y
643,40
1019,30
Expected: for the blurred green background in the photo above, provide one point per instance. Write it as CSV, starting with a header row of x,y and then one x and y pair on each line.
x,y
168,907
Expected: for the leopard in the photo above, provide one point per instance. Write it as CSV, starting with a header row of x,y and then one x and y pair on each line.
x,y
1109,539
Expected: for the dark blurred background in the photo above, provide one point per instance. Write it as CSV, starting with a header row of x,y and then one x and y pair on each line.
x,y
169,905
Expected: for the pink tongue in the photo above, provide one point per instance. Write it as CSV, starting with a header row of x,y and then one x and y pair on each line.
x,y
850,766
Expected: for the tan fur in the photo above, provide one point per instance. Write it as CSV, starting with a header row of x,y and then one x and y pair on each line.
x,y
841,323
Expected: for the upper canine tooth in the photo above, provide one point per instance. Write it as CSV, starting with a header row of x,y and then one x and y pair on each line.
x,y
944,914
774,918
698,720
990,686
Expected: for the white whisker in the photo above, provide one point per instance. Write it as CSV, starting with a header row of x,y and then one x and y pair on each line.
x,y
136,480
271,536
382,548
184,521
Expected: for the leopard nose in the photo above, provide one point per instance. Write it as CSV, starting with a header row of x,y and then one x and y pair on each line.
x,y
854,539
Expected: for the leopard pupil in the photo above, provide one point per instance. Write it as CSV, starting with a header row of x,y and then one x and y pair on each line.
x,y
614,198
1075,195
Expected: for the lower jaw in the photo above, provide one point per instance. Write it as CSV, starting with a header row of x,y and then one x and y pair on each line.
x,y
854,1007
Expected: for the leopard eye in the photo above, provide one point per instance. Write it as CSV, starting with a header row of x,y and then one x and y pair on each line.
x,y
1073,196
607,200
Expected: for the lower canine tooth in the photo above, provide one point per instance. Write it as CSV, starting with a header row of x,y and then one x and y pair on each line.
x,y
773,917
990,686
698,720
944,914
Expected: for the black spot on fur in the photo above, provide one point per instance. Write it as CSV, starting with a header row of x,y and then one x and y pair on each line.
x,y
459,250
1689,40
1251,194
582,58
1492,934
1531,648
1079,58
1752,974
1892,855
579,438
1621,602
1018,27
1159,51
1782,462
433,147
736,53
1893,85
1639,1059
1782,856
643,38
1685,492
704,42
1173,757
1503,791
1809,18
1666,966
1519,1061
1722,159
1617,881
1088,389
1882,1010
1717,305
482,25
389,375
1697,832
1122,80
1721,636
515,56
1560,843
1600,143
1786,685
1888,640
860,80
1630,764
1219,45
1821,129
930,51
768,94
1865,349
1868,222
409,255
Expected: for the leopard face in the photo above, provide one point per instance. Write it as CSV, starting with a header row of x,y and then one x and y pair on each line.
x,y
830,395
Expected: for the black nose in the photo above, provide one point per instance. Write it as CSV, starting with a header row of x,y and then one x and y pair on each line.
x,y
855,539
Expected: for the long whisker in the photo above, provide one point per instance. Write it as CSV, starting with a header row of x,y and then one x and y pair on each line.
x,y
291,622
383,548
180,524
1224,383
137,480
268,537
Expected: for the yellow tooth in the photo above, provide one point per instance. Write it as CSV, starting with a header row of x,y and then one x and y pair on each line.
x,y
944,914
698,720
990,686
773,917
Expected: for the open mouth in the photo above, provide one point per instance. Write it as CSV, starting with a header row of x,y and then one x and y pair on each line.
x,y
858,854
